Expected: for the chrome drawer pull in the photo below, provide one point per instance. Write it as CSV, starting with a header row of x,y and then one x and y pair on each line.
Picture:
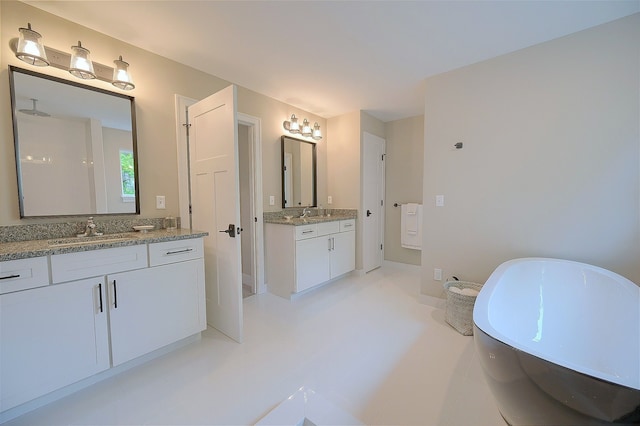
x,y
308,232
178,251
10,276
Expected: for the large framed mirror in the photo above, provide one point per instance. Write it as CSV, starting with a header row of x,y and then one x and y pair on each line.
x,y
75,147
298,173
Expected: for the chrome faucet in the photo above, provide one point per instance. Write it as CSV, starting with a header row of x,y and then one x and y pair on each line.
x,y
90,229
305,212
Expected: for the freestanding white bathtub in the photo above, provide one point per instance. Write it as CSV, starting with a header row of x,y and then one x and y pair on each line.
x,y
559,343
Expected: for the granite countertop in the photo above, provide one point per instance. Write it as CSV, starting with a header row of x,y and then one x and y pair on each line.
x,y
36,248
297,221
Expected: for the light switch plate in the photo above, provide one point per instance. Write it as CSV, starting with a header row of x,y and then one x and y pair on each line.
x,y
437,274
329,199
160,202
439,200
272,200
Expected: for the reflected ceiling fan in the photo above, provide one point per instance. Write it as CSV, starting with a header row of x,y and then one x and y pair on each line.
x,y
34,110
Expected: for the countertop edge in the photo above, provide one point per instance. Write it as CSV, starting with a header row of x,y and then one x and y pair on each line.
x,y
37,248
313,220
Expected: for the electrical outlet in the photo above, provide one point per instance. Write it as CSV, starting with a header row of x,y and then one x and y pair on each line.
x,y
160,202
272,200
329,199
437,274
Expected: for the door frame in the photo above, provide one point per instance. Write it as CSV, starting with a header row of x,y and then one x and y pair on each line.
x,y
255,154
184,189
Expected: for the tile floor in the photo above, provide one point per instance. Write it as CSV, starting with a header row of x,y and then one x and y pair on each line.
x,y
363,343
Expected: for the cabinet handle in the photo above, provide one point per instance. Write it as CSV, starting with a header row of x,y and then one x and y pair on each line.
x,y
308,232
329,242
10,276
115,295
100,295
348,225
169,253
333,243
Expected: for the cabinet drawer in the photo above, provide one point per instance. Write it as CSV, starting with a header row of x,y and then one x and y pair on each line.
x,y
326,228
86,264
23,274
175,251
347,225
306,231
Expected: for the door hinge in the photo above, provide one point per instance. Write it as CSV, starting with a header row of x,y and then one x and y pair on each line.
x,y
382,202
190,210
255,219
383,156
380,246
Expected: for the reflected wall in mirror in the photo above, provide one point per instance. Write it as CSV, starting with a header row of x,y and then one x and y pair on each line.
x,y
75,147
298,173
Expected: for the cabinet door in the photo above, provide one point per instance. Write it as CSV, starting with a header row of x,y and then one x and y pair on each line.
x,y
312,262
153,307
51,337
343,255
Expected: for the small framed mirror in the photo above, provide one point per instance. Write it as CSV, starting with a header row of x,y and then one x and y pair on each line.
x,y
299,187
75,147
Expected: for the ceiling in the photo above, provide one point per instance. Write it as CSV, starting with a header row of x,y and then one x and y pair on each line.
x,y
334,57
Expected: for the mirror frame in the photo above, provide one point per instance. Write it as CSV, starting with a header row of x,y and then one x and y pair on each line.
x,y
134,139
314,174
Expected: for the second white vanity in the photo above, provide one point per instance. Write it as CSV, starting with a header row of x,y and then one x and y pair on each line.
x,y
305,253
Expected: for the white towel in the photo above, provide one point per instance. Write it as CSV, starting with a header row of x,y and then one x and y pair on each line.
x,y
411,226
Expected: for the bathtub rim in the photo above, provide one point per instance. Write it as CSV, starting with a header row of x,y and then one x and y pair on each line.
x,y
481,318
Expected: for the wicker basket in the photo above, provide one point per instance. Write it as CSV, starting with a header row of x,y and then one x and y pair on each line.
x,y
459,308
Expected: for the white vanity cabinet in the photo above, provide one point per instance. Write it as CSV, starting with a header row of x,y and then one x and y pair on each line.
x,y
304,256
96,309
51,337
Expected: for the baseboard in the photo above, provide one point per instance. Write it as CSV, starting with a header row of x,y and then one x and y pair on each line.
x,y
403,266
434,302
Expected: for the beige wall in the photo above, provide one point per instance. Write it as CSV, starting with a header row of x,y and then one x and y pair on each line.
x,y
550,164
157,80
403,181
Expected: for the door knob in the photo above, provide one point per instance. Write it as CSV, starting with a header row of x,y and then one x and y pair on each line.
x,y
231,230
369,213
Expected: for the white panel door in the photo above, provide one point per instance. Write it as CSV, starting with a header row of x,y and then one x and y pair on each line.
x,y
215,201
153,307
312,262
343,253
51,337
373,150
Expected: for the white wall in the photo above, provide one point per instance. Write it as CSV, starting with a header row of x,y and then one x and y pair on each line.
x,y
550,164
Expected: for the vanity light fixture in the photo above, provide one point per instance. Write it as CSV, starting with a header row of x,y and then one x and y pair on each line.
x,y
292,126
306,128
81,65
29,48
316,135
121,77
